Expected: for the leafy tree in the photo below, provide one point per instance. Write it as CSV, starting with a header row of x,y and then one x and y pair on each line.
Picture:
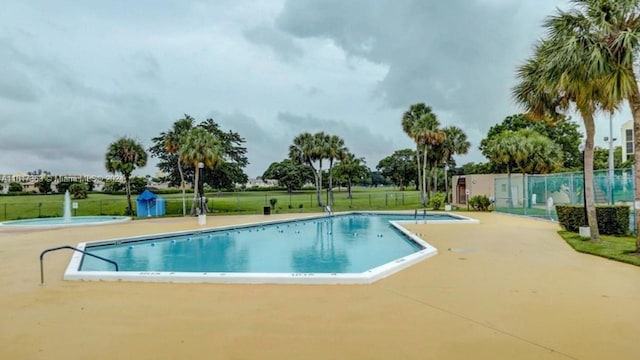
x,y
91,185
474,168
124,156
377,178
44,185
15,187
138,184
171,142
63,186
230,171
112,186
400,167
78,190
351,168
200,146
562,131
224,176
289,174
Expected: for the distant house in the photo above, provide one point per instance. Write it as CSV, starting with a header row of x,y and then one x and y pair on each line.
x,y
261,183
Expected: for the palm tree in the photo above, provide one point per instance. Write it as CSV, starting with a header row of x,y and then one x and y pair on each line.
x,y
504,148
409,119
173,141
536,154
455,143
558,76
351,167
304,151
428,134
200,147
320,152
336,150
123,156
608,32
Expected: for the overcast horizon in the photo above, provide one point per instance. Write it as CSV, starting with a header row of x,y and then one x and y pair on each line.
x,y
75,76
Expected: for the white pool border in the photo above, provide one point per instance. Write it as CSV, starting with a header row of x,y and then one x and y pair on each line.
x,y
17,223
367,277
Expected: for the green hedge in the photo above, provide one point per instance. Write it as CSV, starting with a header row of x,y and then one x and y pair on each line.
x,y
612,220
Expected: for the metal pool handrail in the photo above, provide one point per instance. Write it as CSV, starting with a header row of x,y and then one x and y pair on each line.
x,y
74,249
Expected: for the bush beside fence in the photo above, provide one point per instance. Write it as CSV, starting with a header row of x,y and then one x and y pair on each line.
x,y
612,220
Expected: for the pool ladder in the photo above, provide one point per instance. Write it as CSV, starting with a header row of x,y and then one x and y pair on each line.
x,y
328,210
424,214
74,249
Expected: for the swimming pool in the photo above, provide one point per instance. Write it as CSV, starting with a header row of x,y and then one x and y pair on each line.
x,y
345,248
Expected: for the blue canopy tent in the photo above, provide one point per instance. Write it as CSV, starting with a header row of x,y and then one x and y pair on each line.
x,y
149,204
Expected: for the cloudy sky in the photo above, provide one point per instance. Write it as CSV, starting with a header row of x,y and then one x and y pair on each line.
x,y
76,75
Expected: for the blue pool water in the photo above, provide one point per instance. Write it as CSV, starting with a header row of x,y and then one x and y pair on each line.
x,y
349,243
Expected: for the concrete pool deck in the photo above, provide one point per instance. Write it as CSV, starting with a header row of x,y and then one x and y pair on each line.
x,y
507,288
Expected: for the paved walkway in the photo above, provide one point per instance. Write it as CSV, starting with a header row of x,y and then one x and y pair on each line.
x,y
508,288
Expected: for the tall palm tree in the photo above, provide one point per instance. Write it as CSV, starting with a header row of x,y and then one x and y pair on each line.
x,y
428,134
559,76
200,147
320,152
409,119
336,150
608,31
455,143
304,151
123,156
173,141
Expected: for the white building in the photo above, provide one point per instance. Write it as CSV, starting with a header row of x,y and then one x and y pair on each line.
x,y
626,132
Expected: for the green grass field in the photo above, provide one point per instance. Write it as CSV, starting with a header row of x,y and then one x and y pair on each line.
x,y
611,247
247,202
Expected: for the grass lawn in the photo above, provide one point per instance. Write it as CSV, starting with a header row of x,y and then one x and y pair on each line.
x,y
240,202
610,247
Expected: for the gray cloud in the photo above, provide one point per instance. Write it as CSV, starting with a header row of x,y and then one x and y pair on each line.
x,y
74,76
458,56
280,43
265,144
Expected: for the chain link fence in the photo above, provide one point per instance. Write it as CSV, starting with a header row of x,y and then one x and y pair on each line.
x,y
247,202
537,195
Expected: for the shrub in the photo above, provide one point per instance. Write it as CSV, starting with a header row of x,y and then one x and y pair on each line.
x,y
273,202
480,203
15,187
436,201
612,220
78,190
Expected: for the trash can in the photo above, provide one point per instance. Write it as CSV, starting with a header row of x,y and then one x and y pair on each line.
x,y
267,210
